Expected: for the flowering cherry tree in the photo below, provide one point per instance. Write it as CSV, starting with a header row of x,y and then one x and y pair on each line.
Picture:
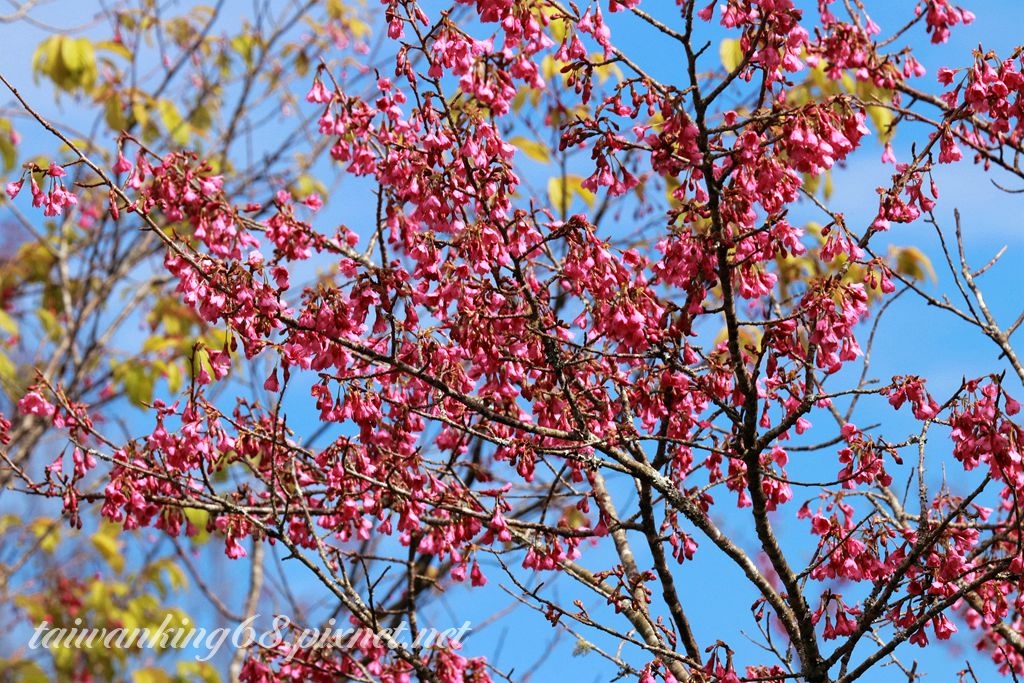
x,y
584,386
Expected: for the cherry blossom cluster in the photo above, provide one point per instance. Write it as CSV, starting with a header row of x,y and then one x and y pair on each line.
x,y
473,346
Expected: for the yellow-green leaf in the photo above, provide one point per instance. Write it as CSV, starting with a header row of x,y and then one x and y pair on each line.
x,y
198,671
113,113
48,533
72,55
7,151
7,323
562,191
731,53
69,62
8,371
532,149
912,262
201,119
150,675
24,671
171,118
175,576
882,119
559,29
243,45
106,543
140,113
605,70
173,375
117,48
558,195
50,323
198,518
